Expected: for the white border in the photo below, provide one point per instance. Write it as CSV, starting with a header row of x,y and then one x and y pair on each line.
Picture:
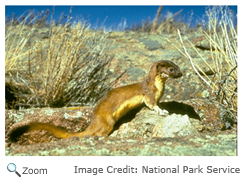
x,y
63,167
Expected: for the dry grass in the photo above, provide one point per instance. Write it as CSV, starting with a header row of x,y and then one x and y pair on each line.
x,y
68,66
222,37
164,24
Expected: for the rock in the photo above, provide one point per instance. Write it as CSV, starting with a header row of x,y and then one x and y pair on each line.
x,y
150,44
170,55
135,73
174,125
228,119
209,68
193,145
212,114
206,44
148,123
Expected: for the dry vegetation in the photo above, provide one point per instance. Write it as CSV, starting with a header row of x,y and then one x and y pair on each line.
x,y
68,66
165,24
221,34
71,67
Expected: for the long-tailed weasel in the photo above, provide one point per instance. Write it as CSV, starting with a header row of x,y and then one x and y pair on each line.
x,y
116,103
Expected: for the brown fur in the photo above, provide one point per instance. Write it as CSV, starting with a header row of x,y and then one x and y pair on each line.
x,y
117,102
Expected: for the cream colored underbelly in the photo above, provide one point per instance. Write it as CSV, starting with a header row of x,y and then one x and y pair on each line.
x,y
128,105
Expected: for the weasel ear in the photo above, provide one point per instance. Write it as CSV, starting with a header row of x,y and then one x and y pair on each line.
x,y
160,64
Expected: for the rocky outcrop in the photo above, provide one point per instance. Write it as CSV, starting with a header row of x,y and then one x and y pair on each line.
x,y
148,123
140,132
191,145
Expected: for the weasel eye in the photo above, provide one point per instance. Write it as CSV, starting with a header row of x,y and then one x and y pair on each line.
x,y
171,70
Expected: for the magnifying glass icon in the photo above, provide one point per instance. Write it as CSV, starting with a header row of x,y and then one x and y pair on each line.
x,y
12,168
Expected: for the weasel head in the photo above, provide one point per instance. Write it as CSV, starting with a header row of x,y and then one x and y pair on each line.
x,y
166,69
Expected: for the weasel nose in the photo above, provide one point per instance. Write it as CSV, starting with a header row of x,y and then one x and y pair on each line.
x,y
178,75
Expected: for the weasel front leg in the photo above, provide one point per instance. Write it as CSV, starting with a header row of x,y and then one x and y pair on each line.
x,y
152,104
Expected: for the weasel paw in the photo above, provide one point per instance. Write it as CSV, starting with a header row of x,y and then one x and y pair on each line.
x,y
160,111
163,112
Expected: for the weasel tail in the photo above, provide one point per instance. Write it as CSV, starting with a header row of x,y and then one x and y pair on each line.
x,y
116,103
35,126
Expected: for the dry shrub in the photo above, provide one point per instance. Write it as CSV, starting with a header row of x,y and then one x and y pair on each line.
x,y
165,24
68,66
222,37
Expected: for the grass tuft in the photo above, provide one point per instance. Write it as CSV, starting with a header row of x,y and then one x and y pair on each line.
x,y
221,34
64,65
166,23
